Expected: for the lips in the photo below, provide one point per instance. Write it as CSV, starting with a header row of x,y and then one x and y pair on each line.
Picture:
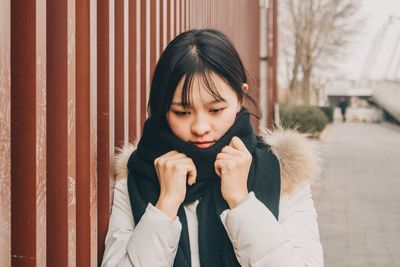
x,y
203,144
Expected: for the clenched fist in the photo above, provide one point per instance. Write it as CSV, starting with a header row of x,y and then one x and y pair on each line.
x,y
173,170
233,165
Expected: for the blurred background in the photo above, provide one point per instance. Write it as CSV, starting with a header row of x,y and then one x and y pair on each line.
x,y
74,84
339,80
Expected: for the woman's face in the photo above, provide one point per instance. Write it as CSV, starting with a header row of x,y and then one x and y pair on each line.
x,y
207,119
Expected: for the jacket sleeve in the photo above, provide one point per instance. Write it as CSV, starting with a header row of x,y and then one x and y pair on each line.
x,y
153,242
260,240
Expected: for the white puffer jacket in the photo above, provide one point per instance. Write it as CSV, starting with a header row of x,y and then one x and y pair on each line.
x,y
257,237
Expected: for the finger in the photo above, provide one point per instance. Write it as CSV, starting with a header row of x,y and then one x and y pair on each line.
x,y
218,164
225,156
172,152
171,155
166,155
230,150
179,162
176,156
184,160
217,167
238,144
191,174
190,168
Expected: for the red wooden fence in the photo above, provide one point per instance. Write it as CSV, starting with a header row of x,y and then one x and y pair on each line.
x,y
74,84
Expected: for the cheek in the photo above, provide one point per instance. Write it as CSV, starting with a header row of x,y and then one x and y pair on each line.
x,y
178,127
227,120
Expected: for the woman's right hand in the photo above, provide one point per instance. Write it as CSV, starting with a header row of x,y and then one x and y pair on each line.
x,y
173,170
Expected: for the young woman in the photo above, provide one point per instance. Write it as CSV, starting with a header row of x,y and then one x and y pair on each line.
x,y
200,188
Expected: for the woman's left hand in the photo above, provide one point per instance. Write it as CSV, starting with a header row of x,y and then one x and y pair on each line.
x,y
232,165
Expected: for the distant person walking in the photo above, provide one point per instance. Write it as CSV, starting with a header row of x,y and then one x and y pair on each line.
x,y
342,104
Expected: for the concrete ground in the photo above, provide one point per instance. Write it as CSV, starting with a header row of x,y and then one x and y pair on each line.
x,y
358,199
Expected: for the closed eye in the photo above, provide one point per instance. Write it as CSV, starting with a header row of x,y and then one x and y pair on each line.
x,y
181,113
216,110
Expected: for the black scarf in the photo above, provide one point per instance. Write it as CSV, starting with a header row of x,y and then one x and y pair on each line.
x,y
215,248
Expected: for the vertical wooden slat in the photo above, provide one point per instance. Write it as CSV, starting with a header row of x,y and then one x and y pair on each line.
x,y
71,137
126,71
5,135
112,102
157,28
83,143
177,17
23,133
198,10
183,15
164,24
172,21
161,27
143,52
149,50
275,56
213,10
93,137
190,20
103,122
153,32
132,72
270,71
203,18
138,66
41,134
187,15
206,14
250,51
119,73
169,19
57,133
263,62
211,16
190,14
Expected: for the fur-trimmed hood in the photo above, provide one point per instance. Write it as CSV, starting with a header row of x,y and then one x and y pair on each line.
x,y
299,157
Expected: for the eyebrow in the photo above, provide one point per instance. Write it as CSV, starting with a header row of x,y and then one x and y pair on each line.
x,y
215,101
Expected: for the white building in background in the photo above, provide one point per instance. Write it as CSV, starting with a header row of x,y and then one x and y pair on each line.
x,y
383,60
380,82
385,68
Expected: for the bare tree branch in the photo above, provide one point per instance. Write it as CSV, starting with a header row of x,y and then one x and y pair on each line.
x,y
315,32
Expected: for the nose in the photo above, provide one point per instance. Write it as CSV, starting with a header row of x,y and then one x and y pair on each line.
x,y
200,126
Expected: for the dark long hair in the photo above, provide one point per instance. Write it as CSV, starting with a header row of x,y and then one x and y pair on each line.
x,y
197,52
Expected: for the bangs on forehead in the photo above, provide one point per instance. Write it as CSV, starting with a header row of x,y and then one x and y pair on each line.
x,y
206,79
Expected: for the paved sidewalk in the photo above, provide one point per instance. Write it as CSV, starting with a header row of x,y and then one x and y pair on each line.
x,y
358,200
